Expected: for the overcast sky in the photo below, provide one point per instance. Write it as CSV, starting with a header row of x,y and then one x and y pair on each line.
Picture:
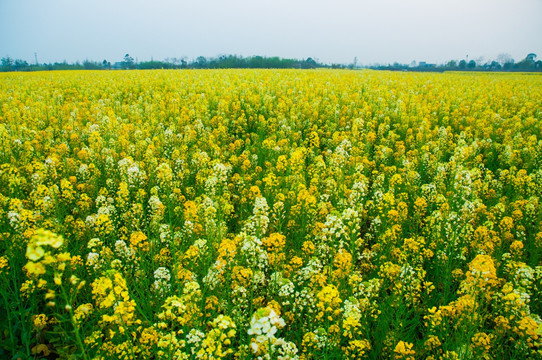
x,y
374,31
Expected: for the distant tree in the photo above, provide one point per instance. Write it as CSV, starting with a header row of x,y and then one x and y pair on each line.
x,y
128,62
452,64
495,65
310,63
462,64
201,62
106,64
529,63
505,59
471,64
153,64
175,61
7,63
20,65
531,57
91,65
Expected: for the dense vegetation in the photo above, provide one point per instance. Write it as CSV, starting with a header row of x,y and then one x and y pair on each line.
x,y
506,63
270,214
128,62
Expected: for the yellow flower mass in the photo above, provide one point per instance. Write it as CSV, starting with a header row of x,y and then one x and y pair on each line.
x,y
270,214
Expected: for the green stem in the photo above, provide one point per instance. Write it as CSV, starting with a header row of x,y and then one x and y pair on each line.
x,y
75,327
11,338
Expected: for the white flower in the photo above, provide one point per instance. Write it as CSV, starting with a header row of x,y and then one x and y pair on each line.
x,y
93,258
162,273
14,218
161,282
123,250
265,322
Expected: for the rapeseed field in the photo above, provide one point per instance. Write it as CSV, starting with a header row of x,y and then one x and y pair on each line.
x,y
265,214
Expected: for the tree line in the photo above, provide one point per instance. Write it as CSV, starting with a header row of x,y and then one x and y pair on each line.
x,y
201,62
503,63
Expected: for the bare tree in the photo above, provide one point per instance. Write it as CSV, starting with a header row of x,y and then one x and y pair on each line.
x,y
505,59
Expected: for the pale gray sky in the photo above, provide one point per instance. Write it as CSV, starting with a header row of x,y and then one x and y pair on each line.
x,y
374,31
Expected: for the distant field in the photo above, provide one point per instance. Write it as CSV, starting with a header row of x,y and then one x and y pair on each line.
x,y
270,214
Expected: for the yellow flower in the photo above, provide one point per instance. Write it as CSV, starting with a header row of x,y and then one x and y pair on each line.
x,y
138,240
403,350
482,275
82,312
41,349
342,263
34,252
4,264
42,237
40,321
482,341
329,302
432,342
